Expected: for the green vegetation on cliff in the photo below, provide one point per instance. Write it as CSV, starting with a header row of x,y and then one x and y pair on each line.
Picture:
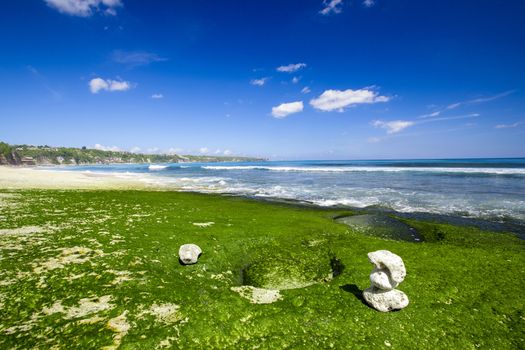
x,y
27,154
89,269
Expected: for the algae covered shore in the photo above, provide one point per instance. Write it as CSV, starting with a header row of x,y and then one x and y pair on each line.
x,y
88,269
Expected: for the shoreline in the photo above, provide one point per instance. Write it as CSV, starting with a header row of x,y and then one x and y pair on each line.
x,y
14,177
27,178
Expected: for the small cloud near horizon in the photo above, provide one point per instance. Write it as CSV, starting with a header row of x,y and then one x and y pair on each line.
x,y
106,148
225,152
507,126
394,126
174,150
466,102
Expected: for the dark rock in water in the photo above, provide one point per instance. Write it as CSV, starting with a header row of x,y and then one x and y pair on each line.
x,y
381,226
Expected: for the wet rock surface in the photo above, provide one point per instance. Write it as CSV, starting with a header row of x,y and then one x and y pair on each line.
x,y
382,226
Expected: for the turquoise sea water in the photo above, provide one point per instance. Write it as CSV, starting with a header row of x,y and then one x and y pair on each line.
x,y
489,189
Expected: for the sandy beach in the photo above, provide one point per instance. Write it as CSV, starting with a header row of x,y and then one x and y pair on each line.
x,y
33,178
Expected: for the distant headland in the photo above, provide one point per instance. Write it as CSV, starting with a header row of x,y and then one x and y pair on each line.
x,y
49,155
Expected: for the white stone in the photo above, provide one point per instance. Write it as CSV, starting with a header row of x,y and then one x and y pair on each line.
x,y
189,253
380,278
389,271
385,300
384,259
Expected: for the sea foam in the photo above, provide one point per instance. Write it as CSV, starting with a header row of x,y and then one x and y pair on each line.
x,y
157,167
496,171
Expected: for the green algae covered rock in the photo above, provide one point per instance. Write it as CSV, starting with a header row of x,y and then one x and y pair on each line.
x,y
93,269
286,270
381,226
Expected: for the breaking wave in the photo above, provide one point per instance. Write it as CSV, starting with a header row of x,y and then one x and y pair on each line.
x,y
495,171
157,167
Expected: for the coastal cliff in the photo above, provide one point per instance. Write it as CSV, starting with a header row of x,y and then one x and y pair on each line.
x,y
48,155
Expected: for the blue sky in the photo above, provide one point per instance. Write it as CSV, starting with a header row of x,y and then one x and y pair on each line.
x,y
309,79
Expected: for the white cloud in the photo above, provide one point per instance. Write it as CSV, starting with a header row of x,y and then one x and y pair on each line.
x,y
471,115
331,100
481,99
118,85
506,126
174,150
331,6
295,80
98,84
110,12
204,150
285,109
451,106
491,98
305,90
259,82
135,149
84,8
393,126
369,3
454,105
157,96
292,67
226,152
153,150
430,115
106,148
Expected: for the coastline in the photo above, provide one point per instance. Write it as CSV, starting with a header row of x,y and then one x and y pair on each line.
x,y
28,178
13,177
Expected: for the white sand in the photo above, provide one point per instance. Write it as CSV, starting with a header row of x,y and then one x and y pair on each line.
x,y
26,178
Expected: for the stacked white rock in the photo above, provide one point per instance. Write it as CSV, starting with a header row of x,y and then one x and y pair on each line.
x,y
389,271
189,253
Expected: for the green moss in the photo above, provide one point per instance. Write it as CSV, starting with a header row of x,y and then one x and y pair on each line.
x,y
465,286
294,267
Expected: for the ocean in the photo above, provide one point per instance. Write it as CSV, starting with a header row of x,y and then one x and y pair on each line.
x,y
492,190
